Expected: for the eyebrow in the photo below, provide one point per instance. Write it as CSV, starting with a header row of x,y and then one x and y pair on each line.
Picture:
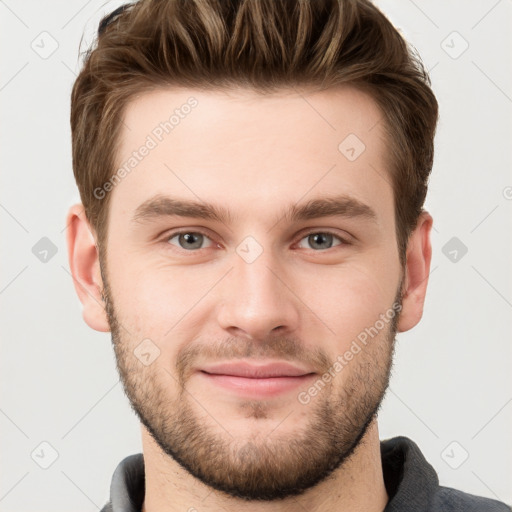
x,y
339,206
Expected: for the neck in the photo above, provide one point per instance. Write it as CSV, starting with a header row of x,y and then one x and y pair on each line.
x,y
357,486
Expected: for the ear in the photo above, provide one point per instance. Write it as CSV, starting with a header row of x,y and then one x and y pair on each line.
x,y
85,268
417,270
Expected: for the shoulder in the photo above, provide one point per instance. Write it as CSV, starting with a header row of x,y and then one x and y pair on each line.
x,y
413,484
447,499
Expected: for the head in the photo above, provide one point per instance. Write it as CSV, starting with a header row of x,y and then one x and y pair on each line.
x,y
302,132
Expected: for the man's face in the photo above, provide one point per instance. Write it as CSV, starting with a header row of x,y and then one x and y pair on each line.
x,y
227,330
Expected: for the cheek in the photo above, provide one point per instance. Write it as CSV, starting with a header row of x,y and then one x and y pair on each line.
x,y
349,299
157,303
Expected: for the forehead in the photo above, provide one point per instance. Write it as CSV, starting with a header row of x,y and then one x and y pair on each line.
x,y
239,144
238,113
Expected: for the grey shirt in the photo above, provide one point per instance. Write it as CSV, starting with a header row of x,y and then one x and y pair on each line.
x,y
411,483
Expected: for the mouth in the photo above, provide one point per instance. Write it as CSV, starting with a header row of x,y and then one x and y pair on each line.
x,y
252,380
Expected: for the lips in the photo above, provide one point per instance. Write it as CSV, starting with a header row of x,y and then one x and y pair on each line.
x,y
256,371
256,381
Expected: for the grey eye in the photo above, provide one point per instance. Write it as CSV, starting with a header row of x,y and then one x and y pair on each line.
x,y
321,241
189,240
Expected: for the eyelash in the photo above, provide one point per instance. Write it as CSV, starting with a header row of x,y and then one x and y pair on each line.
x,y
173,234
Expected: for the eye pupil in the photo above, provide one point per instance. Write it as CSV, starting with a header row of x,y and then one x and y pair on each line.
x,y
324,240
192,240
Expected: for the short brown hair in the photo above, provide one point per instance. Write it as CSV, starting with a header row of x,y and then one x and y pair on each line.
x,y
265,45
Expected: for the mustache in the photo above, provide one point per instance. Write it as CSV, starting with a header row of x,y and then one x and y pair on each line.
x,y
284,348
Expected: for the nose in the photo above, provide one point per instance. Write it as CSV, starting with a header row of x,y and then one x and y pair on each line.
x,y
257,299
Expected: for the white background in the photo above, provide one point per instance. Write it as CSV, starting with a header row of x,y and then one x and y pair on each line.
x,y
451,379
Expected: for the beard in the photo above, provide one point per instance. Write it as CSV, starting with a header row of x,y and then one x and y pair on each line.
x,y
256,466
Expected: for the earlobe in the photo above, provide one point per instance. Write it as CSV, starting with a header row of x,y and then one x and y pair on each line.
x,y
85,268
417,270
